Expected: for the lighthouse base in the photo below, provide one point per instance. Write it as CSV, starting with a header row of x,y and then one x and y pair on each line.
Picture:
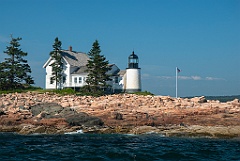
x,y
132,90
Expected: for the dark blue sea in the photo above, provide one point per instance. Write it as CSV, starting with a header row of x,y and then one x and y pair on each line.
x,y
116,148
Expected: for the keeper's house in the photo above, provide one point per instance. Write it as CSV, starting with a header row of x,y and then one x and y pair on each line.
x,y
74,73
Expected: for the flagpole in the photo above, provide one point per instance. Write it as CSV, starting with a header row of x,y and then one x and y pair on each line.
x,y
176,82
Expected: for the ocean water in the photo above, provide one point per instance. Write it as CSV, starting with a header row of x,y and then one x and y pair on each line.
x,y
116,147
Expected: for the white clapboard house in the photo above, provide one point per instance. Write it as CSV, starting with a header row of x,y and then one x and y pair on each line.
x,y
74,72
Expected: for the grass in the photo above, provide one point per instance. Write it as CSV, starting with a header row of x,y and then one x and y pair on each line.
x,y
144,93
27,89
66,91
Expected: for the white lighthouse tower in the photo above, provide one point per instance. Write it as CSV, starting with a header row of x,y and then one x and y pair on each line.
x,y
133,74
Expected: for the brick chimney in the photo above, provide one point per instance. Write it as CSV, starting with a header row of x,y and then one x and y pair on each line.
x,y
70,48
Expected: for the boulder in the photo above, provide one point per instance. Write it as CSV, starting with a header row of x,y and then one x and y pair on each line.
x,y
81,118
50,110
201,99
119,116
53,110
144,130
236,103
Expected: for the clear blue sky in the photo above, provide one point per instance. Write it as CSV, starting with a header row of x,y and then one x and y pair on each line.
x,y
200,37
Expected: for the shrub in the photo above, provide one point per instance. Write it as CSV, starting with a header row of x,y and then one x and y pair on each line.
x,y
65,91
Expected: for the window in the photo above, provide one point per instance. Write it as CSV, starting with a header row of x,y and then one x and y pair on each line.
x,y
75,79
51,80
80,80
64,79
116,79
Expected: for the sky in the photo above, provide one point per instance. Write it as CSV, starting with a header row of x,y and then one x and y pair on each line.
x,y
200,37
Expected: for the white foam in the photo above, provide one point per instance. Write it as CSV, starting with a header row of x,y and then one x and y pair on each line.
x,y
130,134
74,132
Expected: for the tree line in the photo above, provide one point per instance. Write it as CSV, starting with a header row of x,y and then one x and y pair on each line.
x,y
15,70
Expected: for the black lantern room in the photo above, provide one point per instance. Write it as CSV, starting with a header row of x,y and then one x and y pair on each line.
x,y
133,61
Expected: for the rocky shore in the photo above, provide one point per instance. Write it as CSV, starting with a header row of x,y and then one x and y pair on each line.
x,y
28,113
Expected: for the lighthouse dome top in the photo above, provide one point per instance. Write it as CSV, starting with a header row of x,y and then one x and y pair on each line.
x,y
133,56
133,61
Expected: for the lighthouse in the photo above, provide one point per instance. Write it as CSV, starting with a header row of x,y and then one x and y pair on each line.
x,y
133,74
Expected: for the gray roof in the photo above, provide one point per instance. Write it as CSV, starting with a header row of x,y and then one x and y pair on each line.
x,y
79,60
80,70
75,58
122,72
114,70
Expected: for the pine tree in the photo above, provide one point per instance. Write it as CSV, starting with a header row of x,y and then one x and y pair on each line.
x,y
57,65
3,79
97,68
15,70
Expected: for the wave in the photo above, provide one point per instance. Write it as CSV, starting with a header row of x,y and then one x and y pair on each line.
x,y
75,132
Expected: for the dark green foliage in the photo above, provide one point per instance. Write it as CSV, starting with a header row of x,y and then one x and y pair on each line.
x,y
65,91
14,70
97,68
57,65
88,90
26,88
3,78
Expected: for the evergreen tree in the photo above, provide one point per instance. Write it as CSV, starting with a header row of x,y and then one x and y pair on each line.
x,y
57,65
97,68
14,70
3,79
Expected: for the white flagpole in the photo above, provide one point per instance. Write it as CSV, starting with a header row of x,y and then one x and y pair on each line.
x,y
176,82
